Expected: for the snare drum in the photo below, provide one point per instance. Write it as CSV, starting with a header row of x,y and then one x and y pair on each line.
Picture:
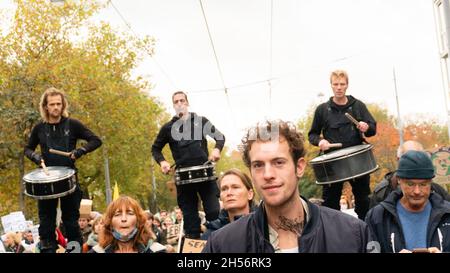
x,y
344,164
60,182
195,174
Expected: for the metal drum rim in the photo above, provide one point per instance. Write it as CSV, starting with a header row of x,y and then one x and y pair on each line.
x,y
349,178
368,148
70,174
194,168
52,196
195,180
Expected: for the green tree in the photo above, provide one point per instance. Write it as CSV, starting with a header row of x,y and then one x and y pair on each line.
x,y
58,45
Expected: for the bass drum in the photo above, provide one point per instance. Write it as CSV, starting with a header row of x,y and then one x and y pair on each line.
x,y
59,182
344,164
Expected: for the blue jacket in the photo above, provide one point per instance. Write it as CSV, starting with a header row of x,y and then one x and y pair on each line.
x,y
327,230
385,228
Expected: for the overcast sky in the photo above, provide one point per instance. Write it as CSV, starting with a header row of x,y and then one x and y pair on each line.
x,y
309,39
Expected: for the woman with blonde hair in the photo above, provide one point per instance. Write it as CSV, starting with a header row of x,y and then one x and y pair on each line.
x,y
237,196
124,228
13,242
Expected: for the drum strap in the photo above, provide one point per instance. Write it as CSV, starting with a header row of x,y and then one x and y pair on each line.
x,y
59,140
354,110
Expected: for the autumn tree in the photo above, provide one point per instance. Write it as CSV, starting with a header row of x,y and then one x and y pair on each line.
x,y
59,45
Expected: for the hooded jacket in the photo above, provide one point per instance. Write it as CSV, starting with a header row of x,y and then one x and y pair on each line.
x,y
187,140
386,186
330,120
386,229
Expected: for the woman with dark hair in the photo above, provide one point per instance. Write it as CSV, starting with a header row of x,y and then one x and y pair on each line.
x,y
236,194
124,229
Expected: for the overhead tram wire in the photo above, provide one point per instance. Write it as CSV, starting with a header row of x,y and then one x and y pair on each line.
x,y
217,63
270,57
231,87
151,56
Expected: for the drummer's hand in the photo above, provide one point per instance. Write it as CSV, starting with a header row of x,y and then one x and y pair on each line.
x,y
405,251
215,155
165,166
363,127
324,145
77,153
37,158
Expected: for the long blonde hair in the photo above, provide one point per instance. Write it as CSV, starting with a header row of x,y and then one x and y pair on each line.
x,y
44,100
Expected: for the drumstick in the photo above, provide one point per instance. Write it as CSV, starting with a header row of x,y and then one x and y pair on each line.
x,y
352,119
335,145
59,152
44,167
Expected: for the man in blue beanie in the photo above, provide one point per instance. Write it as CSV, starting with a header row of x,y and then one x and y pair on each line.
x,y
389,183
412,219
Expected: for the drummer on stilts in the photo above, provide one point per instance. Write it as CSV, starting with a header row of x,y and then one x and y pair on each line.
x,y
186,135
331,125
59,132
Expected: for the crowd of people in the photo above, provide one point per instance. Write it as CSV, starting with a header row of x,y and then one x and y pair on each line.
x,y
407,211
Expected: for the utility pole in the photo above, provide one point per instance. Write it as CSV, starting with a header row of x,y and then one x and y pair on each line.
x,y
154,205
107,181
441,11
399,118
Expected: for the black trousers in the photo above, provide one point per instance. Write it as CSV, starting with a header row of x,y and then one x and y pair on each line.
x,y
187,199
331,195
70,206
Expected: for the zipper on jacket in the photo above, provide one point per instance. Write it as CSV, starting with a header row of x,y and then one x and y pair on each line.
x,y
393,242
440,239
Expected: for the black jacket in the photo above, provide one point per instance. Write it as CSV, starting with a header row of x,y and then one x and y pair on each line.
x,y
327,230
220,222
385,187
191,147
68,131
330,120
385,228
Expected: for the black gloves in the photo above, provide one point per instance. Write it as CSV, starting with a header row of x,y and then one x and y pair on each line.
x,y
36,158
78,152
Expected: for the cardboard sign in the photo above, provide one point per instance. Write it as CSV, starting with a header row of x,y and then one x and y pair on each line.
x,y
441,162
173,231
85,208
15,221
2,247
193,246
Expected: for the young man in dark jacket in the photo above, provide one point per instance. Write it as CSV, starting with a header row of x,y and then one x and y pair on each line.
x,y
285,222
186,135
59,132
390,180
330,125
413,218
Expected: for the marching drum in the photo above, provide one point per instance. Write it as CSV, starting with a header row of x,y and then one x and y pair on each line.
x,y
195,174
344,164
59,182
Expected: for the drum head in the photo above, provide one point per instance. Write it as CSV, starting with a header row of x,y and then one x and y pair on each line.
x,y
55,173
341,153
